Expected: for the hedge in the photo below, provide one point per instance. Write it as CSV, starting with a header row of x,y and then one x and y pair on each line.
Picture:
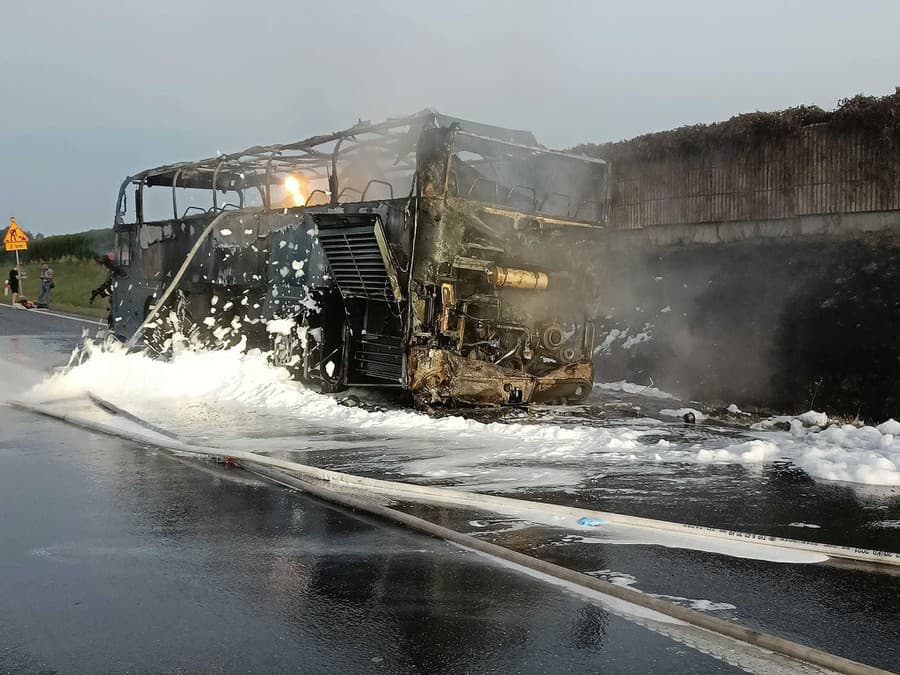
x,y
77,246
877,117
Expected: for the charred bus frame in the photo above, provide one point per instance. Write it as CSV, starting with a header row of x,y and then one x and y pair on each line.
x,y
449,258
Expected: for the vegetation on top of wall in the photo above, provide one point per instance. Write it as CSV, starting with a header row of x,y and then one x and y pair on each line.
x,y
876,117
77,246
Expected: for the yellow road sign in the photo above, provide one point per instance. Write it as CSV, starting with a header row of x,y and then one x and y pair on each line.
x,y
15,239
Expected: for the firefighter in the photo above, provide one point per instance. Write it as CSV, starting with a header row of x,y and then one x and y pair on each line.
x,y
113,271
104,290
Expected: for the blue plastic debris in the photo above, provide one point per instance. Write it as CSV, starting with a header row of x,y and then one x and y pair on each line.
x,y
591,522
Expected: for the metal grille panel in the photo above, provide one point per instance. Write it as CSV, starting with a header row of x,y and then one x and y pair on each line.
x,y
379,356
356,261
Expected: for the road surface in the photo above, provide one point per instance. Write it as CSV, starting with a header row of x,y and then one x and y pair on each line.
x,y
121,558
118,558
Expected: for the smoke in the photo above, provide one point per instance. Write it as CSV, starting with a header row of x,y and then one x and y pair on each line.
x,y
785,323
686,318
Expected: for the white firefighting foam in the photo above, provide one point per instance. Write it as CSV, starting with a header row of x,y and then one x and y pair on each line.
x,y
483,455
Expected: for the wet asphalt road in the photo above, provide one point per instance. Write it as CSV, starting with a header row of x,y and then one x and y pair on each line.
x,y
119,558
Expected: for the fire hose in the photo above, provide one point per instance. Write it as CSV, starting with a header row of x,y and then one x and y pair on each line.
x,y
151,315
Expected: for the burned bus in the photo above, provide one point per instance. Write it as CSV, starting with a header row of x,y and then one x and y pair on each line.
x,y
439,256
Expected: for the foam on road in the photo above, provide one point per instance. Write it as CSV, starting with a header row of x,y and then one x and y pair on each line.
x,y
476,453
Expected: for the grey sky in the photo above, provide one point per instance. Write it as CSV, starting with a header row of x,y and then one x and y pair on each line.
x,y
96,89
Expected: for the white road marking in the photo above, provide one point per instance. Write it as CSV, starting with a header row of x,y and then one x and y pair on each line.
x,y
58,316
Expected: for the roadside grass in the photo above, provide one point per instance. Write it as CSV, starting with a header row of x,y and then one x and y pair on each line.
x,y
74,279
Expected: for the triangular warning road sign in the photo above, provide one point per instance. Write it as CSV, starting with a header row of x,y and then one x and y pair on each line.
x,y
15,239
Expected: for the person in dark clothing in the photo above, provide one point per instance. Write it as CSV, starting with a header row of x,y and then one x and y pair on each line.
x,y
113,271
14,285
104,290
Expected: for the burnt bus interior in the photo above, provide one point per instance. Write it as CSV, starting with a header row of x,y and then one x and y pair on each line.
x,y
444,257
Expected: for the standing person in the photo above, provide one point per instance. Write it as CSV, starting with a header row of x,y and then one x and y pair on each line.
x,y
14,285
46,286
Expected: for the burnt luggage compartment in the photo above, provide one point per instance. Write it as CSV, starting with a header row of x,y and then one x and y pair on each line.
x,y
361,266
448,259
